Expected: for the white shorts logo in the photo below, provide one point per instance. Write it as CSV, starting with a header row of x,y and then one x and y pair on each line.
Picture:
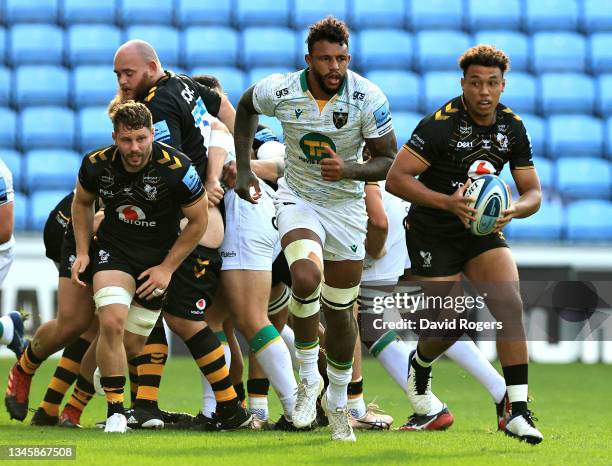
x,y
134,216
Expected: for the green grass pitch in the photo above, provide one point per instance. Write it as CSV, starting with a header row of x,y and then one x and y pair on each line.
x,y
572,403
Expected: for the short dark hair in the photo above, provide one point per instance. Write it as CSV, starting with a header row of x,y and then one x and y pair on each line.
x,y
208,80
132,115
330,29
484,55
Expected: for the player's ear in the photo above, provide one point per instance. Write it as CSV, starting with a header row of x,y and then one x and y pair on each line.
x,y
114,136
348,59
503,84
308,59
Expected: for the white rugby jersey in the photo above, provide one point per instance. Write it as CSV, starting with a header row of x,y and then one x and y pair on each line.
x,y
6,194
358,111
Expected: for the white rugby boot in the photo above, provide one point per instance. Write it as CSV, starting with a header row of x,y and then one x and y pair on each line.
x,y
116,423
339,423
305,411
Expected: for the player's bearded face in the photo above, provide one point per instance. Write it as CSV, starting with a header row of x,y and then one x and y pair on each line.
x,y
135,146
137,88
482,88
328,63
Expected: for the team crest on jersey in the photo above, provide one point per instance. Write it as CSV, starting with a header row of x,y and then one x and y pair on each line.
x,y
340,119
150,191
313,146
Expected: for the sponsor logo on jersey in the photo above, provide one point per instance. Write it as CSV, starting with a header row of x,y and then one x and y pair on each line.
x,y
192,180
358,95
298,113
107,179
313,146
481,167
465,144
162,132
228,253
150,179
282,92
201,304
106,192
340,119
417,141
465,129
382,115
134,215
486,144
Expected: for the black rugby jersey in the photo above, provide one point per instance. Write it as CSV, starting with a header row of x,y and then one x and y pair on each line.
x,y
179,107
449,142
56,226
142,209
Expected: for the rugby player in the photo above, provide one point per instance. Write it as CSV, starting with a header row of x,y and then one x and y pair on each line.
x,y
469,135
327,113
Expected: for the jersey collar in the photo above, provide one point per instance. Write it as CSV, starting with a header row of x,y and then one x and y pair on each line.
x,y
304,83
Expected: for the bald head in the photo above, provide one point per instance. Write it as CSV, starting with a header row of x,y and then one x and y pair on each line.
x,y
137,67
138,49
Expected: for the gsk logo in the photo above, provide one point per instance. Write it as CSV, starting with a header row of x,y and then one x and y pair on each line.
x,y
313,146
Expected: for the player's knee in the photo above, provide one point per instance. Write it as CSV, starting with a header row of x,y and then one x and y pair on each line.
x,y
112,326
306,279
305,259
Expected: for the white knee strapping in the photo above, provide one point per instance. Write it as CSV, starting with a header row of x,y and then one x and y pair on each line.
x,y
339,299
112,295
141,320
306,307
304,249
277,305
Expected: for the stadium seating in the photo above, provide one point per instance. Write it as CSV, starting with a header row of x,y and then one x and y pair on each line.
x,y
94,129
584,178
438,88
536,128
248,13
520,92
6,85
601,52
549,15
589,220
31,11
210,46
233,80
397,51
546,172
40,85
402,88
307,12
45,127
257,74
164,39
8,128
87,11
608,137
514,43
378,14
440,49
13,161
51,169
575,136
604,94
92,44
547,224
567,93
20,211
40,204
404,124
93,85
435,14
264,46
558,51
203,13
145,12
494,14
36,44
3,45
596,16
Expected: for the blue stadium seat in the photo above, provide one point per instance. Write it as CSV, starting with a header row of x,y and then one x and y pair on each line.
x,y
37,44
307,12
20,211
94,129
520,92
232,80
3,45
51,169
515,44
546,173
567,93
608,137
92,44
6,84
203,13
212,46
558,51
596,16
274,124
31,11
600,45
545,225
575,136
145,11
439,50
494,14
549,15
436,14
268,47
93,85
402,88
439,87
584,177
536,128
14,162
589,220
164,39
262,13
257,74
87,11
8,128
397,52
404,124
40,204
40,85
378,14
43,127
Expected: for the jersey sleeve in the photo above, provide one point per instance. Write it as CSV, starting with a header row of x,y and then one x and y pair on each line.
x,y
87,173
166,120
188,189
422,143
6,185
210,98
521,157
376,116
266,94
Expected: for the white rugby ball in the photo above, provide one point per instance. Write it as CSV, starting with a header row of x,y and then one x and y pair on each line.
x,y
492,197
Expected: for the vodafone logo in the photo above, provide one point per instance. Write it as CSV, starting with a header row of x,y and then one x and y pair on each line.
x,y
481,167
201,304
134,216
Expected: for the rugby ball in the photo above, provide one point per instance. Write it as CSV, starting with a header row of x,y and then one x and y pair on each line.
x,y
492,197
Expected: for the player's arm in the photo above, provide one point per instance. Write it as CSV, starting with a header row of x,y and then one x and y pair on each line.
x,y
530,197
227,113
378,223
82,222
219,146
246,126
270,169
6,222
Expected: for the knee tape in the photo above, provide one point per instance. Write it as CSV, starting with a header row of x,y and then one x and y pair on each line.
x,y
274,307
222,139
339,299
306,307
140,320
112,295
304,249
